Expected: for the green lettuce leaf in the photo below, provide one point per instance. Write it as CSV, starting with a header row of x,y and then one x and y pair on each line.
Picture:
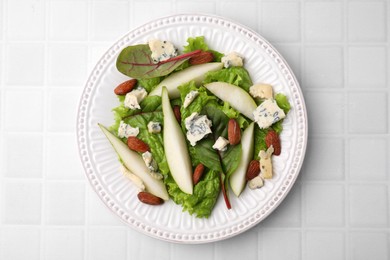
x,y
238,76
198,43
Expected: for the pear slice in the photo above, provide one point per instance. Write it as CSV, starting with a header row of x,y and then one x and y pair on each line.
x,y
136,165
237,179
175,147
196,73
237,97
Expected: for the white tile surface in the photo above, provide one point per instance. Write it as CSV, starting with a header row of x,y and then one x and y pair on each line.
x,y
340,52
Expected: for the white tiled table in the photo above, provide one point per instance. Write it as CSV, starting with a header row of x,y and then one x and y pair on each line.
x,y
339,207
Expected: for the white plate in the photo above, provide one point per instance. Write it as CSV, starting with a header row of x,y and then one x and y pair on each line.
x,y
168,222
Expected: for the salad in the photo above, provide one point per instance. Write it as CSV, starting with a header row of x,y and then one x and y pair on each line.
x,y
193,125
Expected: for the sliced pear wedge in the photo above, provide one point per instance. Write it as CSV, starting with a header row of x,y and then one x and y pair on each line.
x,y
133,161
238,98
237,179
175,146
196,73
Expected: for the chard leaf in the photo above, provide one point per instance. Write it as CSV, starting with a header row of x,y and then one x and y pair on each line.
x,y
136,62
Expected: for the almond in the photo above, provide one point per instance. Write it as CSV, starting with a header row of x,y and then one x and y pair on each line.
x,y
125,87
202,57
198,172
149,198
253,170
272,138
176,111
137,144
234,132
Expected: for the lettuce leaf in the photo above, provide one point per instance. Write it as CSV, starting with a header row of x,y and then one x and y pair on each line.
x,y
198,43
238,76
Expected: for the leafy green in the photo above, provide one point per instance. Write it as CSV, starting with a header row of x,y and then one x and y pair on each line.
x,y
204,197
238,76
136,62
198,43
150,84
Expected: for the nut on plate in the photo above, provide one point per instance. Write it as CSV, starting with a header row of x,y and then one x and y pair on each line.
x,y
202,57
272,138
253,170
125,87
136,144
149,198
234,132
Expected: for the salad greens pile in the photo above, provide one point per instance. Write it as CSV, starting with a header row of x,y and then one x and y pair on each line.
x,y
218,165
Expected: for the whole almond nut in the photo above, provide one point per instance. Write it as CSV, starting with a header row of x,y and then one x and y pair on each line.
x,y
202,57
234,132
149,198
272,138
176,111
253,170
198,172
125,87
137,144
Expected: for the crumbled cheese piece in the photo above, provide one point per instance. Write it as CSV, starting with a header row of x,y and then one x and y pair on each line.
x,y
221,144
268,113
154,127
261,91
161,50
150,163
233,59
126,130
190,97
256,182
134,97
134,178
266,163
156,175
197,127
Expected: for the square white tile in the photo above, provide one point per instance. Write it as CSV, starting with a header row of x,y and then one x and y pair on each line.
x,y
323,21
63,243
372,27
21,202
323,67
367,67
101,248
281,21
325,159
324,205
190,6
64,203
229,9
368,205
62,109
136,240
369,245
18,243
24,110
63,162
325,112
284,244
25,20
71,56
141,11
366,166
15,64
229,247
110,20
23,156
315,242
190,252
368,112
64,26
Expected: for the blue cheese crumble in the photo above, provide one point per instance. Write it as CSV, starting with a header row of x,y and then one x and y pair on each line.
x,y
154,127
125,130
134,98
221,144
152,166
233,59
197,127
268,113
161,50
